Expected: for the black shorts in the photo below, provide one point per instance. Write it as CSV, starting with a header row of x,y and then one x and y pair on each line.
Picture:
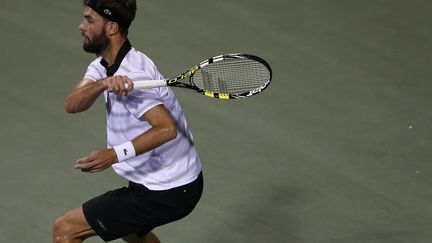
x,y
137,210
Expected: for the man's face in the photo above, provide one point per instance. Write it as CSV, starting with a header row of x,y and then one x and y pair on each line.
x,y
93,30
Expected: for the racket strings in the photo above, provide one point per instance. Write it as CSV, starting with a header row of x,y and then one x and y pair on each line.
x,y
232,76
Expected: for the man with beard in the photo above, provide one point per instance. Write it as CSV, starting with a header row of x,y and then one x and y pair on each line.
x,y
149,143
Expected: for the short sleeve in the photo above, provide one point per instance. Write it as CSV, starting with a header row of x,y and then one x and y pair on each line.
x,y
139,101
95,71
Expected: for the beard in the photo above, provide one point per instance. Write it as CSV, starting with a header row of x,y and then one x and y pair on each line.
x,y
96,45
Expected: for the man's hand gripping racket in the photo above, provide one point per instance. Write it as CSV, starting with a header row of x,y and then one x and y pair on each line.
x,y
229,76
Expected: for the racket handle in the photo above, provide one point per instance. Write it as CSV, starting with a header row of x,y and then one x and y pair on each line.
x,y
147,84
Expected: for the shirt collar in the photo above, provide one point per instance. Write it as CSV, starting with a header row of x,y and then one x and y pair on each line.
x,y
110,70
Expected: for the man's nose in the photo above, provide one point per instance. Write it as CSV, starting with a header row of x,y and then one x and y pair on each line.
x,y
81,26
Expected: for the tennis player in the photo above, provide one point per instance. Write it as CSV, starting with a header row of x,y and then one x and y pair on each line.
x,y
149,142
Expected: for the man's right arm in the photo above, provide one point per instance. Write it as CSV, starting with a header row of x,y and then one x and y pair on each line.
x,y
84,95
87,91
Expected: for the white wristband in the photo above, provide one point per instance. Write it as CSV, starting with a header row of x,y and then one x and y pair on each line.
x,y
125,151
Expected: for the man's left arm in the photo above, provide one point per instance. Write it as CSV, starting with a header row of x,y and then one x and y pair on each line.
x,y
163,130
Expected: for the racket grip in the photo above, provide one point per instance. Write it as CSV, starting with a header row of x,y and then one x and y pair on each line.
x,y
147,84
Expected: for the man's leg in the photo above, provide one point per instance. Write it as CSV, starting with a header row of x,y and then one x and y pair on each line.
x,y
72,227
148,238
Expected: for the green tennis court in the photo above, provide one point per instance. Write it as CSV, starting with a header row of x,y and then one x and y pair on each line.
x,y
337,149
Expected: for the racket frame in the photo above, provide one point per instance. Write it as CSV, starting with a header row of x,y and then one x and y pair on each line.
x,y
174,82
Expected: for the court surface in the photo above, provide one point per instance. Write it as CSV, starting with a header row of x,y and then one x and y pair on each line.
x,y
338,149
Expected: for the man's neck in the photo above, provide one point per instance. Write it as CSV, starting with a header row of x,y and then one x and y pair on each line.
x,y
112,50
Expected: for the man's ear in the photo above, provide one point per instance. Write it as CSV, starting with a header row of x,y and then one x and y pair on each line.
x,y
112,28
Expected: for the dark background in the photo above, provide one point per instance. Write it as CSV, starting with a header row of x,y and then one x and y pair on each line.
x,y
337,149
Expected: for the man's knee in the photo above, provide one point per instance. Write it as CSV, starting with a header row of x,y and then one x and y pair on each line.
x,y
62,229
71,226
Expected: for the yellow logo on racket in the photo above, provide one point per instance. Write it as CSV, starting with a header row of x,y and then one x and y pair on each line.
x,y
189,73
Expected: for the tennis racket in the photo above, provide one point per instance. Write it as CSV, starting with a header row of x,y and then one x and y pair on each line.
x,y
229,76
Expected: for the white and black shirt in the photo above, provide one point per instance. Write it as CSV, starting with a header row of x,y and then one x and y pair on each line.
x,y
172,164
